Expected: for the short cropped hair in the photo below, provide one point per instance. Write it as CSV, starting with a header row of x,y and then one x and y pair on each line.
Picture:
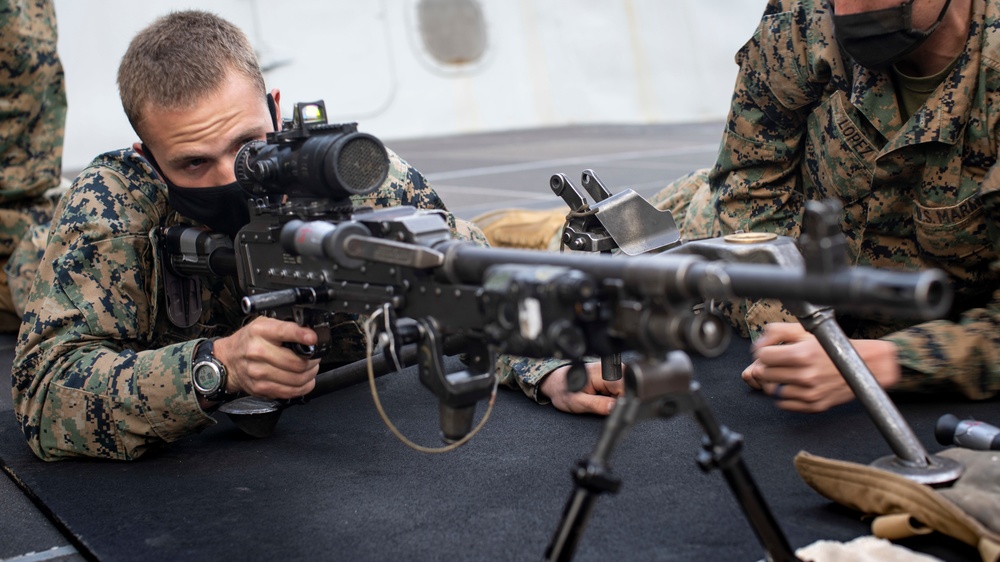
x,y
179,59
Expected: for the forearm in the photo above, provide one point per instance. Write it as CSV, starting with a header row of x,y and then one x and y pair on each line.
x,y
962,356
526,373
90,399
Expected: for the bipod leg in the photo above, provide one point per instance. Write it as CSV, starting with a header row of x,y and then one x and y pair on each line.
x,y
592,477
645,380
721,449
910,458
664,388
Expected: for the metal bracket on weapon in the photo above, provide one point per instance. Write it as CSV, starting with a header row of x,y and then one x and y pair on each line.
x,y
457,392
624,220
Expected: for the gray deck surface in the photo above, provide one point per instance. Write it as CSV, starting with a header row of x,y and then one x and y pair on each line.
x,y
478,173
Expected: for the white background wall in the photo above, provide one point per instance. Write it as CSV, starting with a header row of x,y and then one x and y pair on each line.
x,y
547,62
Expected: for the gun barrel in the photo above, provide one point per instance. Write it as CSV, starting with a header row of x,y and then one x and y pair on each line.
x,y
923,294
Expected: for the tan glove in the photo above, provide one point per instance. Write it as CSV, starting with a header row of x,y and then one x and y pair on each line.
x,y
967,510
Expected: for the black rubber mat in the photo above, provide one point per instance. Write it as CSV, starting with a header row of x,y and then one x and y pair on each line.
x,y
332,482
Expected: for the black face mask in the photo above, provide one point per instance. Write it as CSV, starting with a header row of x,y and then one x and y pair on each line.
x,y
881,38
223,208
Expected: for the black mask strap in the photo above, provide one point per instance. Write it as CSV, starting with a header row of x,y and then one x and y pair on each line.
x,y
272,107
148,155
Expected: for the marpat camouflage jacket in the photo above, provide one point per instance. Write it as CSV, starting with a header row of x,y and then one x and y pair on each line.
x,y
807,124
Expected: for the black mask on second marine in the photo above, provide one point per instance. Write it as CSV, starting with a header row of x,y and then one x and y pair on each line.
x,y
880,38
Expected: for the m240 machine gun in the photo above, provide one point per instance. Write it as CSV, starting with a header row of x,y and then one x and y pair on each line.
x,y
309,255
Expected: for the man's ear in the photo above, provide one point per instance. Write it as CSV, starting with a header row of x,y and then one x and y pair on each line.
x,y
137,146
274,105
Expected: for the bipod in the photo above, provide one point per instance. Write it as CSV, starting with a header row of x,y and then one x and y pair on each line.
x,y
662,389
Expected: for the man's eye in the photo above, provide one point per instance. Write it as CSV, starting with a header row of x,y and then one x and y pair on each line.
x,y
194,164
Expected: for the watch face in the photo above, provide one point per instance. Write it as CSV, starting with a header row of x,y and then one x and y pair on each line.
x,y
206,377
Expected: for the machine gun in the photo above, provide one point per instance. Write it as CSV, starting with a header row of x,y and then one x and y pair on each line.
x,y
309,255
820,252
597,223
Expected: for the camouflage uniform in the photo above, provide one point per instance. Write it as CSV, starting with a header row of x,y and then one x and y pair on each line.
x,y
806,124
99,368
32,118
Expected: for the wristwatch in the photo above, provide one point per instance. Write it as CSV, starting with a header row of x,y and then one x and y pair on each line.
x,y
209,374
